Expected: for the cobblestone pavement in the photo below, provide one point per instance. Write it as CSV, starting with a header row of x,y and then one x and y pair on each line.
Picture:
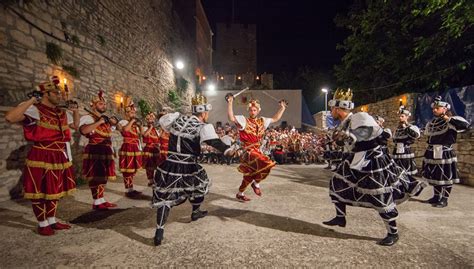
x,y
281,229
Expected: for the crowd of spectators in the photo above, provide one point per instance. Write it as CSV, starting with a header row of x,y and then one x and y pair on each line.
x,y
283,145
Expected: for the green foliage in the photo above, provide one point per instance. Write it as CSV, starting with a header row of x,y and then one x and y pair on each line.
x,y
181,84
54,52
406,46
71,70
144,107
101,40
174,99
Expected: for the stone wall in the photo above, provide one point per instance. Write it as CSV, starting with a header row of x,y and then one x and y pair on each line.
x,y
119,46
464,147
236,49
125,47
388,108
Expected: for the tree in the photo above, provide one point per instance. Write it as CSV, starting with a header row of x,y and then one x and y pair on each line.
x,y
406,46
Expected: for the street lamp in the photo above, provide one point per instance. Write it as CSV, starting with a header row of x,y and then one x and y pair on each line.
x,y
325,99
179,64
211,87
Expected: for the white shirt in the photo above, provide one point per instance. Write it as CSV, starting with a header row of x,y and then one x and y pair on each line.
x,y
33,113
242,121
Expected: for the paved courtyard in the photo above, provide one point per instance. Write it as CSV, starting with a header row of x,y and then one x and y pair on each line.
x,y
281,229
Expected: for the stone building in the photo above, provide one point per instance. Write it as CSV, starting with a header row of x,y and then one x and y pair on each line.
x,y
235,59
124,47
236,49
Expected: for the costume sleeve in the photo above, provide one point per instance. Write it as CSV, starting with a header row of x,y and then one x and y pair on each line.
x,y
167,120
208,132
241,121
217,144
459,123
266,122
413,131
32,112
387,133
209,136
86,120
70,118
123,122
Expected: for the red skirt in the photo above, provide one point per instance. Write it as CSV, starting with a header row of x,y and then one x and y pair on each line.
x,y
256,165
98,164
48,173
151,156
130,158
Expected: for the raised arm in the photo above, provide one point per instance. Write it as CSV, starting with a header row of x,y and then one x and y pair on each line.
x,y
147,132
280,111
88,128
412,131
230,109
128,127
76,118
17,113
459,123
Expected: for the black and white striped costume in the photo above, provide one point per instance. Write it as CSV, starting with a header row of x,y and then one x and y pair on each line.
x,y
403,138
368,177
383,139
333,153
439,163
180,177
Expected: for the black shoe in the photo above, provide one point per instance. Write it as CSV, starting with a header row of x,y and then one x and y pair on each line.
x,y
389,240
158,237
440,204
198,214
339,221
433,200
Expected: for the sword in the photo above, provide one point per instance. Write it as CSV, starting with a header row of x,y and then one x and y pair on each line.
x,y
273,97
237,94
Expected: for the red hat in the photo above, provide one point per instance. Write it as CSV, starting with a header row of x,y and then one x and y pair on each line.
x,y
98,98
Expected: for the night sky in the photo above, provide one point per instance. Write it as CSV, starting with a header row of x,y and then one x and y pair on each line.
x,y
290,33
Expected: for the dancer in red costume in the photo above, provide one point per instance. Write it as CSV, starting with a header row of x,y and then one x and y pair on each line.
x,y
130,154
254,165
98,164
151,152
48,173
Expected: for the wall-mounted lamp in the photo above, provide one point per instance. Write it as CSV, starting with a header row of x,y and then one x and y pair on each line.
x,y
66,89
211,87
179,64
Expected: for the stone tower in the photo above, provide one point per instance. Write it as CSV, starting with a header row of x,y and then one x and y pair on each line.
x,y
236,49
